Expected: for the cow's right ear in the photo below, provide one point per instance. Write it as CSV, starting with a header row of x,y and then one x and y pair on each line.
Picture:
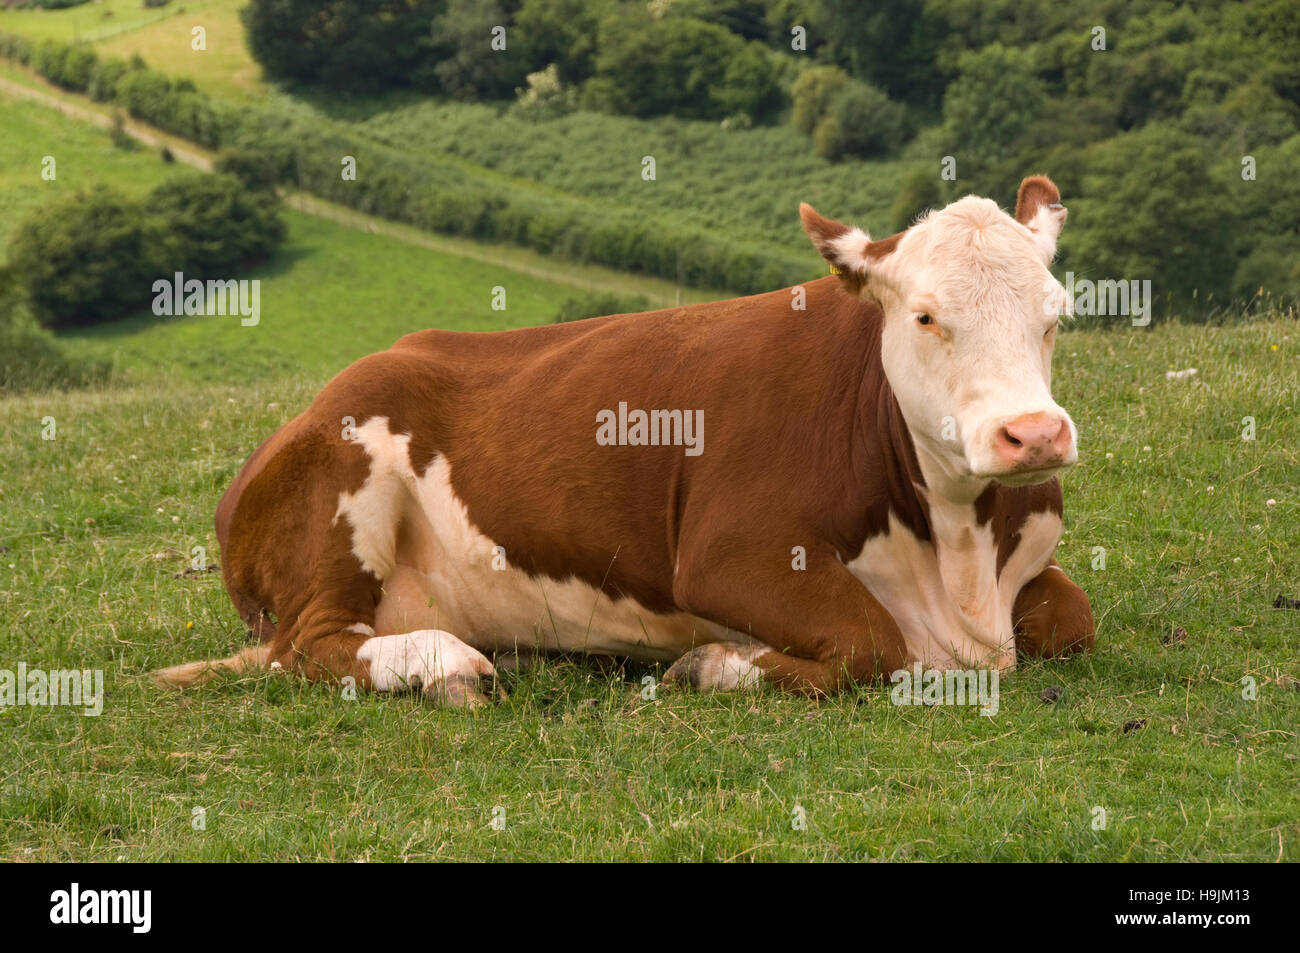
x,y
849,251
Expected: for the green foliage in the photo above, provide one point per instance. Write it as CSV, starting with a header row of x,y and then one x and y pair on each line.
x,y
1020,86
30,357
468,66
546,96
892,44
16,48
920,192
598,304
561,33
862,122
258,167
813,93
86,258
650,67
354,45
1166,218
174,105
993,100
214,224
104,79
118,134
47,4
91,257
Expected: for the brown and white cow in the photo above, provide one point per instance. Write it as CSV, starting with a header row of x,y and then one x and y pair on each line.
x,y
867,483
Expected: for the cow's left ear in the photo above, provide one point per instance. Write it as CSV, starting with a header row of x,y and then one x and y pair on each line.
x,y
1039,208
849,251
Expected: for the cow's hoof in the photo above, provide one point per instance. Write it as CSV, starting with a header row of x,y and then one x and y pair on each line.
x,y
464,691
716,667
437,664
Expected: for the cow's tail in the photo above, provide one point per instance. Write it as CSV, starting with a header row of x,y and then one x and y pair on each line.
x,y
196,673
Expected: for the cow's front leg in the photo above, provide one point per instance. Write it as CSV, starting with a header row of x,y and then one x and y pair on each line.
x,y
1052,616
814,630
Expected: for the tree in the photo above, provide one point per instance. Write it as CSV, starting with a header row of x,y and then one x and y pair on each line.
x,y
678,65
560,32
813,93
360,45
469,66
862,121
995,97
1151,210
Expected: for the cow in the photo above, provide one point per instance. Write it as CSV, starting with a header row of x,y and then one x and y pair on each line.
x,y
754,492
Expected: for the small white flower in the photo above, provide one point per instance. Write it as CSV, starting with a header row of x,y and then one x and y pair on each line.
x,y
1270,502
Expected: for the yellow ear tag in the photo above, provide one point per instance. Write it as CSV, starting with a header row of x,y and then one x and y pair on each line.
x,y
834,270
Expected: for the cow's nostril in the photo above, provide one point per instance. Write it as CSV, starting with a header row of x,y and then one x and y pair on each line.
x,y
1008,437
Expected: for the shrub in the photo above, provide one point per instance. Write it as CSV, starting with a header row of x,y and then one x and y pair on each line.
x,y
78,67
678,65
85,258
174,106
1151,210
466,67
545,96
104,79
92,257
598,304
259,168
16,48
118,134
812,94
994,99
30,357
920,192
561,33
862,122
357,45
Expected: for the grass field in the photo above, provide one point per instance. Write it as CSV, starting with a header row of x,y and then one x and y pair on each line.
x,y
99,523
97,527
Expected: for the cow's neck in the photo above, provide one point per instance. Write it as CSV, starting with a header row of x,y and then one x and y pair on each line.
x,y
961,533
940,508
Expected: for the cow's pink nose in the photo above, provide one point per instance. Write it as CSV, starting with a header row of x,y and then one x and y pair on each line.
x,y
1033,441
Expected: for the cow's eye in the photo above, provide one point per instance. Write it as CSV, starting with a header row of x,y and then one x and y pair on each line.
x,y
1050,328
924,319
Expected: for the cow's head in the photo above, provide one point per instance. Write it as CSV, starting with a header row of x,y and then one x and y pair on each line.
x,y
971,315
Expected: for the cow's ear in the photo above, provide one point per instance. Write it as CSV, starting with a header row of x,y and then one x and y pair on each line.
x,y
1039,208
849,251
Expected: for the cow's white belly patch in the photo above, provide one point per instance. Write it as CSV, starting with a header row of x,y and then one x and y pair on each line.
x,y
952,606
440,573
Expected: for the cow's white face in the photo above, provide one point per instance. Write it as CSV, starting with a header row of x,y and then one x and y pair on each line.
x,y
971,316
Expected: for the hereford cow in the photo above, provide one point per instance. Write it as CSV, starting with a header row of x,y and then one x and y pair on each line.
x,y
810,487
